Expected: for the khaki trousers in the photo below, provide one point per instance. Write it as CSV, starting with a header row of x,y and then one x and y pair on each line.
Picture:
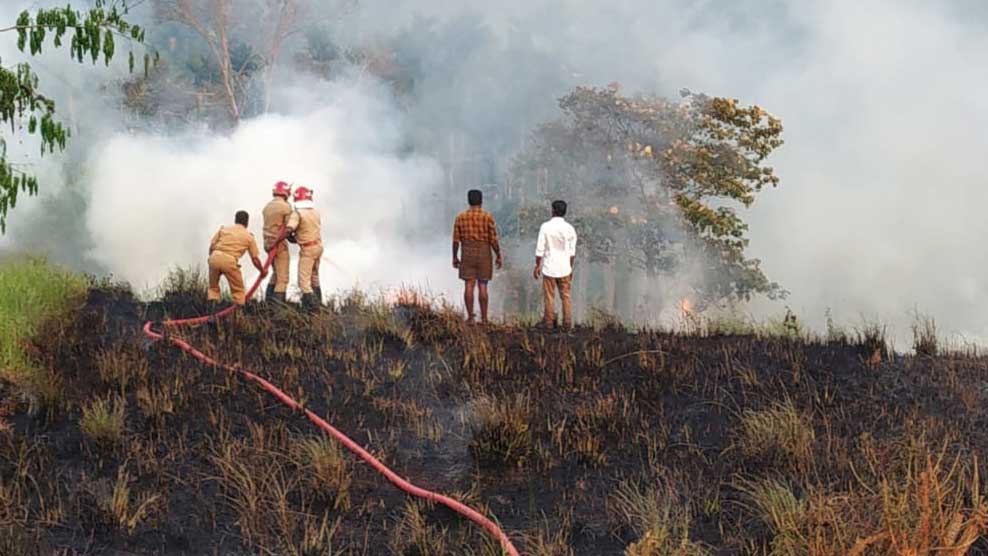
x,y
279,268
308,267
549,287
223,264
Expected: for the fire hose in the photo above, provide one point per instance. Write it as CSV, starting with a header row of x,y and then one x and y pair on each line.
x,y
492,528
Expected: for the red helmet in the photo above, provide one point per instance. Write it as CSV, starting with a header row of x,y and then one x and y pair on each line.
x,y
303,193
283,189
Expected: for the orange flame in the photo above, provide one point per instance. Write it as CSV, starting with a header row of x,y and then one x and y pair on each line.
x,y
405,296
685,307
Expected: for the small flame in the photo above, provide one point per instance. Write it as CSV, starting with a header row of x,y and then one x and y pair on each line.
x,y
405,296
686,307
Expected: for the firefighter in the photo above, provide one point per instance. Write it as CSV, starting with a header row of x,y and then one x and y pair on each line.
x,y
277,213
308,235
230,243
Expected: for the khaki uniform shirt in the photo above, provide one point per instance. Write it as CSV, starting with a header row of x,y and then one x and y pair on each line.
x,y
276,213
234,240
309,226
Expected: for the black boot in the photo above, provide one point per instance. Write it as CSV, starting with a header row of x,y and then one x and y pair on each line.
x,y
309,303
317,293
269,292
280,297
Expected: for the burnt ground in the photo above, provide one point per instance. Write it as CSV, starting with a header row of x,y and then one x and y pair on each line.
x,y
601,442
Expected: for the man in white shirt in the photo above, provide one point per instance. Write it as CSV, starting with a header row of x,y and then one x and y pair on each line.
x,y
555,254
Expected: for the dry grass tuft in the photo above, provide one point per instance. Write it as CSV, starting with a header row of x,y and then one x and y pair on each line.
x,y
413,535
925,340
775,504
43,390
658,515
551,539
602,321
156,401
120,365
504,437
128,513
934,510
327,469
382,323
931,509
779,433
872,338
103,420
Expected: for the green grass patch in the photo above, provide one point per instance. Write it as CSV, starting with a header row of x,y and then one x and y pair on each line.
x,y
31,290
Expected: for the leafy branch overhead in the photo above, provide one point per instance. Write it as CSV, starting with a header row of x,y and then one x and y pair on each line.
x,y
93,34
673,174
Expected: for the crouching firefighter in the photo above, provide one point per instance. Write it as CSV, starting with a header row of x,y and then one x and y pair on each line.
x,y
278,213
308,235
230,243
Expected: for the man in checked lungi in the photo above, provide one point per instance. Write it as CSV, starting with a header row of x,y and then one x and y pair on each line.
x,y
474,239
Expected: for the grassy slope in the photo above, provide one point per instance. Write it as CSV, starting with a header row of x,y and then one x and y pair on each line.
x,y
30,291
602,442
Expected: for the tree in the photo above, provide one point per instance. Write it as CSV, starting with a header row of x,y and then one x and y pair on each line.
x,y
23,105
238,48
211,20
656,184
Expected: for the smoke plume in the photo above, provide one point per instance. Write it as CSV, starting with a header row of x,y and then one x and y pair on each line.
x,y
878,212
341,139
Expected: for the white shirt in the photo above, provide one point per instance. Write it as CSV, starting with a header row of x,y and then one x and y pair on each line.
x,y
557,243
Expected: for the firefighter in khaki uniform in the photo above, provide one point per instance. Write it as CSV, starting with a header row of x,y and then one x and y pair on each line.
x,y
225,249
277,213
308,235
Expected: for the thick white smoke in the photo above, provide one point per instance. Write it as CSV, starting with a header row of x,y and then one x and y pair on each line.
x,y
879,212
880,207
157,200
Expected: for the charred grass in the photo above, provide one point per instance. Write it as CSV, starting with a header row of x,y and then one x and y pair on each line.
x,y
596,442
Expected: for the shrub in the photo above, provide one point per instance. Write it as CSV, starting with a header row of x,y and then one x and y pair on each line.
x,y
187,282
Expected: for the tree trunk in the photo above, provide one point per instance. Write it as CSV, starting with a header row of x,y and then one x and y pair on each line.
x,y
226,69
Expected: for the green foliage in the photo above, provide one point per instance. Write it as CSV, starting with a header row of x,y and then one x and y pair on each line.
x,y
672,176
92,35
30,291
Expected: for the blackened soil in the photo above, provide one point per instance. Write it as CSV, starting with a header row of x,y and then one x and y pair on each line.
x,y
598,406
